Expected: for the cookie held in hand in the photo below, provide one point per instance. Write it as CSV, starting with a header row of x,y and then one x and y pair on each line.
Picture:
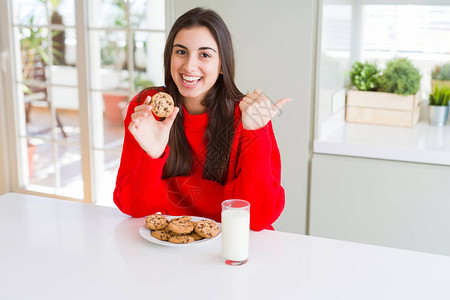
x,y
162,104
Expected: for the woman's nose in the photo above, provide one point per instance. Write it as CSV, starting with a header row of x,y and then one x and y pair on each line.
x,y
191,63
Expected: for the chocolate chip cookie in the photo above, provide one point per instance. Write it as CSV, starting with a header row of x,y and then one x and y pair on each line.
x,y
206,228
160,234
181,225
195,236
162,104
156,222
181,239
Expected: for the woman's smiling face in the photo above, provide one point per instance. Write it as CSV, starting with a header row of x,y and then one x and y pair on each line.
x,y
195,62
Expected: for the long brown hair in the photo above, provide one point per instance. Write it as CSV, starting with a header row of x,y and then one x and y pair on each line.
x,y
220,102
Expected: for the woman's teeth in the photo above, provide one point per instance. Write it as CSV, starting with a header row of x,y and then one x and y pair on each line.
x,y
190,80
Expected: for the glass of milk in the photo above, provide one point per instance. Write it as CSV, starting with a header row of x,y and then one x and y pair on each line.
x,y
235,231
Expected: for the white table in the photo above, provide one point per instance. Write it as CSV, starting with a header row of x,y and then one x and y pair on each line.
x,y
55,249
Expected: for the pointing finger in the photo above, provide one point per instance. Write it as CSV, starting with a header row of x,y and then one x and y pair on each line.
x,y
147,100
257,92
280,103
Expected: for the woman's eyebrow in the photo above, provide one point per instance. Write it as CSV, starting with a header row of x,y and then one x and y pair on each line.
x,y
201,48
181,46
207,48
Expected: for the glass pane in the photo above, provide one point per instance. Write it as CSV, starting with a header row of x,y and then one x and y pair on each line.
x,y
38,119
70,43
108,112
43,168
407,31
334,62
69,163
149,59
108,59
147,14
34,55
106,13
59,39
65,101
64,75
63,12
107,164
31,145
114,107
29,12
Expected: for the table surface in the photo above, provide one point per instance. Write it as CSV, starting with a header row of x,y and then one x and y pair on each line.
x,y
56,249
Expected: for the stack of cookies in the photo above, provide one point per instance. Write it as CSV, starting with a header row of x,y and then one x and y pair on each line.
x,y
181,230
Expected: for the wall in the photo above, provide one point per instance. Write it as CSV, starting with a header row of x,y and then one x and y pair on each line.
x,y
274,43
388,203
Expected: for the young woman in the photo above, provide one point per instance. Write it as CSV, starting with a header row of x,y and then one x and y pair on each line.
x,y
217,144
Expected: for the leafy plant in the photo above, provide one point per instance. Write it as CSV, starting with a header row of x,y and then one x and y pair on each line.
x,y
33,46
365,76
441,72
440,96
400,77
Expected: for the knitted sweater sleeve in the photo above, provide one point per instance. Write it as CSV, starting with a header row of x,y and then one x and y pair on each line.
x,y
258,177
139,190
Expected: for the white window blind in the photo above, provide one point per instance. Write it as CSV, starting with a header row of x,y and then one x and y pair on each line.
x,y
418,32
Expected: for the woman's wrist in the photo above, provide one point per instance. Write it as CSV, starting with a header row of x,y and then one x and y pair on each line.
x,y
157,154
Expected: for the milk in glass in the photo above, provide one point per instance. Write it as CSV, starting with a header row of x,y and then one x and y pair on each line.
x,y
235,235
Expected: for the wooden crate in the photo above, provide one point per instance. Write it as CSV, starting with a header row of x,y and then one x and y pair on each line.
x,y
382,108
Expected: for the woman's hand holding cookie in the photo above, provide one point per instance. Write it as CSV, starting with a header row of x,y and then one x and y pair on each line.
x,y
151,134
257,110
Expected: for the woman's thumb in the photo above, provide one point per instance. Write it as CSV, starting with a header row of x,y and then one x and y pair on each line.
x,y
170,119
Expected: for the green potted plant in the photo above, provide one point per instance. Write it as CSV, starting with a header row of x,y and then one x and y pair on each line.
x,y
391,98
365,76
440,76
438,105
400,77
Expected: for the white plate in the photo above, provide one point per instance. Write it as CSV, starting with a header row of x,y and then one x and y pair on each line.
x,y
145,233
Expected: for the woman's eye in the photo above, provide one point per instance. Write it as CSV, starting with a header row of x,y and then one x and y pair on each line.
x,y
205,55
182,52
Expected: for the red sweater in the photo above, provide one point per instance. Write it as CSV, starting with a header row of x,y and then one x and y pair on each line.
x,y
253,175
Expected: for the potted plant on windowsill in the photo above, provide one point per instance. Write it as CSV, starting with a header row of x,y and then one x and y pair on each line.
x,y
440,76
391,98
438,105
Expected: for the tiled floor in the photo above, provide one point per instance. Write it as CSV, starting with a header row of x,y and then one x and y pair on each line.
x,y
65,176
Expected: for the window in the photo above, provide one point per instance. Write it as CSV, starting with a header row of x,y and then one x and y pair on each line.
x,y
419,32
378,31
72,82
